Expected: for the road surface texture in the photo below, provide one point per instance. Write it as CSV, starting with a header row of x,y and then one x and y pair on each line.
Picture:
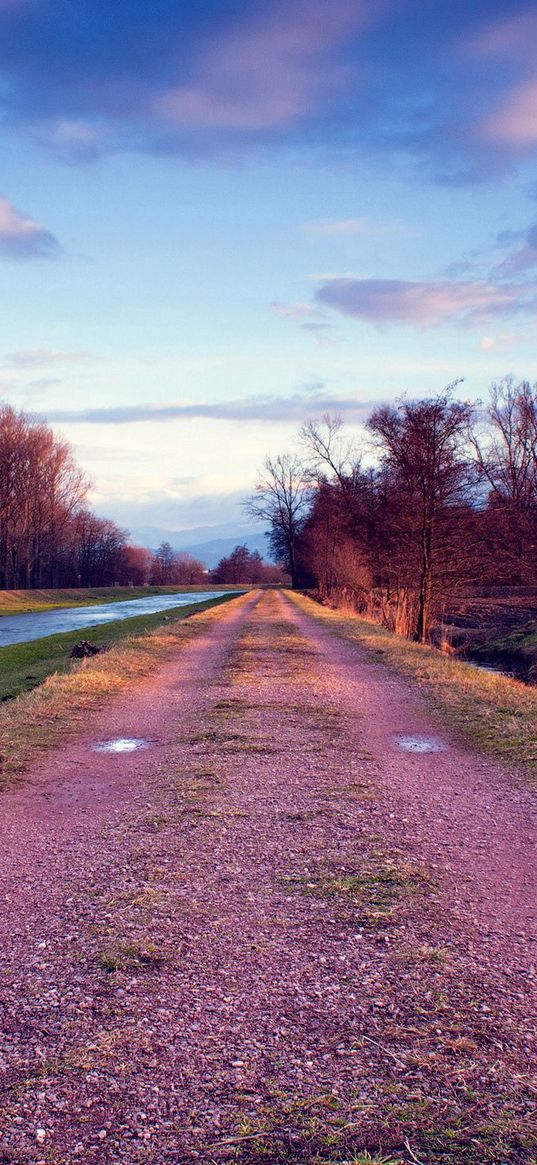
x,y
272,935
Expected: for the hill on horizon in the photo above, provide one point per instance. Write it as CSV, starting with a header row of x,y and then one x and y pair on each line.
x,y
209,549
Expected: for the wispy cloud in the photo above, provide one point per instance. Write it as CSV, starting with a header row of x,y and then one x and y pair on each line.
x,y
218,78
424,304
502,342
271,71
367,227
514,122
309,402
24,238
42,357
523,255
299,312
177,76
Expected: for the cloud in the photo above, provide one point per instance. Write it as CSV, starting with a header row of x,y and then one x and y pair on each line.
x,y
270,72
451,84
72,141
309,402
368,227
508,45
514,123
39,357
501,342
421,304
298,312
511,38
523,257
24,238
175,76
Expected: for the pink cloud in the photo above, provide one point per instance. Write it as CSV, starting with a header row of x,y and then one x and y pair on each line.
x,y
514,123
512,38
22,237
269,73
422,305
503,341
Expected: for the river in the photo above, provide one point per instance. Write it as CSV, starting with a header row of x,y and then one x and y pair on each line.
x,y
23,628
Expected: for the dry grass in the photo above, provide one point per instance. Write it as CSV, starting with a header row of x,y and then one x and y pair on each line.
x,y
495,714
54,713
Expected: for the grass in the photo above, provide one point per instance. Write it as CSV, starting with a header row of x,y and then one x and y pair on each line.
x,y
59,708
130,956
371,892
495,714
24,666
515,652
25,602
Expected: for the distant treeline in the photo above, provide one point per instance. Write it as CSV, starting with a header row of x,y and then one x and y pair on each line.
x,y
50,538
446,500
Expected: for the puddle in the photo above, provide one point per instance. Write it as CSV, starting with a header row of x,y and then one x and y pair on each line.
x,y
122,744
420,744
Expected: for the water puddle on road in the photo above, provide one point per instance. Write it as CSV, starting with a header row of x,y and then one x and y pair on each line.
x,y
122,744
420,744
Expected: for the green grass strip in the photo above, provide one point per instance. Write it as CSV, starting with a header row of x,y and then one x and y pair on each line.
x,y
24,666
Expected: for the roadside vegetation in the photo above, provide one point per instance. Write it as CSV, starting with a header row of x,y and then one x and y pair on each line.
x,y
58,708
492,712
438,501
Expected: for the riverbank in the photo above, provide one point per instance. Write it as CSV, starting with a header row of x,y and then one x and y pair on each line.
x,y
26,666
492,712
26,602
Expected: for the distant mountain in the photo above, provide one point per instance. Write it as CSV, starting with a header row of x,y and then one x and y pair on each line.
x,y
209,549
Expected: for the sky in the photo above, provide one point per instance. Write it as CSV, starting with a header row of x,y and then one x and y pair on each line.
x,y
219,219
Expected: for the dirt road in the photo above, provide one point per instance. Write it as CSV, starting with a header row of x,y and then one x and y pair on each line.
x,y
272,935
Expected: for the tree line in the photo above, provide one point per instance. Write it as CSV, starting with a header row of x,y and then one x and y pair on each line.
x,y
50,538
444,497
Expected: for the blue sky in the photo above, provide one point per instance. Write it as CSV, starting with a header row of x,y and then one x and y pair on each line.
x,y
219,219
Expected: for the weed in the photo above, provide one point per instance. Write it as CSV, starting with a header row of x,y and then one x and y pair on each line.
x,y
130,956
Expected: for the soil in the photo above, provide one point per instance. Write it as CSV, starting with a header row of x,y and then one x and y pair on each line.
x,y
273,935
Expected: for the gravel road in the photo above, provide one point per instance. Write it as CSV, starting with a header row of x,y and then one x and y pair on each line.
x,y
272,935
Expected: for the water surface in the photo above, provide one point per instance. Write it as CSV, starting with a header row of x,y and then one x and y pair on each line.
x,y
39,624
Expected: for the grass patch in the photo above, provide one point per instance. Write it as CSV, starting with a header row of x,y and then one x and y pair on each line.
x,y
370,892
24,666
495,714
137,956
58,709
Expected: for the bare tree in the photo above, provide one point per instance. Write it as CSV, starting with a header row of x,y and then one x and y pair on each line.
x,y
424,455
506,453
41,491
329,451
163,564
188,570
282,497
